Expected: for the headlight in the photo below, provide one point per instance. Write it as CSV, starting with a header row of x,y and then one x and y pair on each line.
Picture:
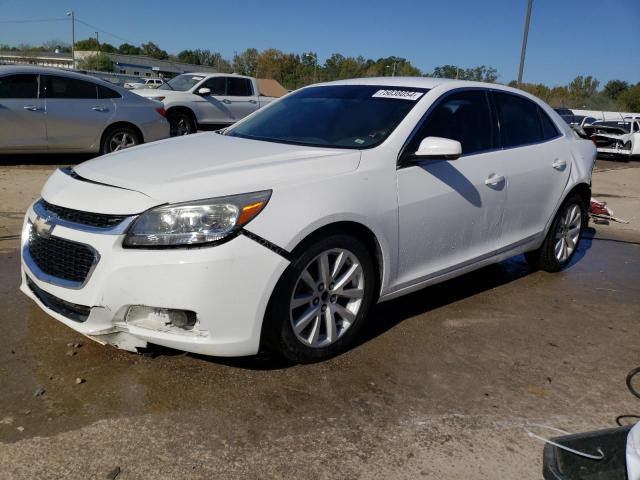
x,y
195,223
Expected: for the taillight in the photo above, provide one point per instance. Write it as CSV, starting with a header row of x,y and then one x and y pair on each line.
x,y
161,111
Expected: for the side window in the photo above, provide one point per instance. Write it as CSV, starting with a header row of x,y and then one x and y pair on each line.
x,y
239,87
519,120
65,87
463,116
106,92
549,130
19,86
217,85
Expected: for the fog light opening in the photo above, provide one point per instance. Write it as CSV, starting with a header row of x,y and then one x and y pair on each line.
x,y
162,319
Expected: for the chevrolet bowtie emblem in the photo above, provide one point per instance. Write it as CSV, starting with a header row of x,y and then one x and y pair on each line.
x,y
42,227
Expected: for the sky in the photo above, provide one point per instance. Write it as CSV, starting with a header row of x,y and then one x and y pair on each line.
x,y
566,38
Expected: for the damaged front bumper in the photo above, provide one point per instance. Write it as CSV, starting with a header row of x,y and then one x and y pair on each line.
x,y
227,287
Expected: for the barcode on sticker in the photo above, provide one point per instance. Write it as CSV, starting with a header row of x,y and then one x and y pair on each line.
x,y
402,94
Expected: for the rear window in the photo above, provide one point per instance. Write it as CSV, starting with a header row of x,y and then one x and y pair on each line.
x,y
519,120
66,87
549,129
239,87
106,92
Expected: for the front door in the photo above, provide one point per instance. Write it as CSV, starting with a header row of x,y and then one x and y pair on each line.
x,y
76,117
214,108
22,114
450,211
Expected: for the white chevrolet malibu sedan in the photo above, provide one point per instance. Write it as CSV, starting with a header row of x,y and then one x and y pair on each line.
x,y
282,232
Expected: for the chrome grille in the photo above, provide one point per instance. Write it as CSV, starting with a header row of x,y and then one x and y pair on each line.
x,y
96,220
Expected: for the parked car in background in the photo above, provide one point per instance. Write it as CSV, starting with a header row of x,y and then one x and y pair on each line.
x,y
201,100
48,110
578,120
616,138
144,83
285,229
563,111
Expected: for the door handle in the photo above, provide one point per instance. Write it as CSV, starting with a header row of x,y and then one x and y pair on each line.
x,y
99,109
494,180
253,101
226,101
559,164
31,108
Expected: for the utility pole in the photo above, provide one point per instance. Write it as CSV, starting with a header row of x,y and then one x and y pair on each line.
x,y
393,74
524,42
72,14
98,41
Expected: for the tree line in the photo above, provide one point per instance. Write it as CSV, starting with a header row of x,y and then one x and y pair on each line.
x,y
294,70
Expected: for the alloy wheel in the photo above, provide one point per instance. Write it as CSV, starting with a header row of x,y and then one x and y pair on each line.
x,y
327,298
568,232
120,141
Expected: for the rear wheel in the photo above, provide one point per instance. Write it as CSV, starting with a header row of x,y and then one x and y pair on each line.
x,y
321,300
119,138
563,238
181,123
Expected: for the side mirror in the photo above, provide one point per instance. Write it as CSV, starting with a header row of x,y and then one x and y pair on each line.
x,y
438,148
204,91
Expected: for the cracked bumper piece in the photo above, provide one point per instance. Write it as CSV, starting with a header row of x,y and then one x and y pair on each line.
x,y
227,287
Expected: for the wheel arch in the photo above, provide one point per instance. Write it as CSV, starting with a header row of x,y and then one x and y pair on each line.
x,y
358,230
183,109
117,124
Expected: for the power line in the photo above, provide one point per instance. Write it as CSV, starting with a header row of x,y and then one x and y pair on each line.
x,y
104,31
40,20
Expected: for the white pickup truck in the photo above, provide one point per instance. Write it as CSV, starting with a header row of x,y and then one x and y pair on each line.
x,y
207,100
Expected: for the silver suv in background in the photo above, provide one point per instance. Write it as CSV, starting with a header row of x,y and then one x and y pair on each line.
x,y
201,100
48,110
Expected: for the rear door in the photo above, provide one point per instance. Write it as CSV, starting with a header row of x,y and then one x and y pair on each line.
x,y
22,113
76,116
243,100
537,161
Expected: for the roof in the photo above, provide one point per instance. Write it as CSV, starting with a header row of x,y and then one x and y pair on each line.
x,y
10,69
424,82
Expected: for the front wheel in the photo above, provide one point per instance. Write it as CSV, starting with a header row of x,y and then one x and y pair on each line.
x,y
563,238
180,123
321,300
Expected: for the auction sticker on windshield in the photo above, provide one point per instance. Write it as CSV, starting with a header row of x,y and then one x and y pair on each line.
x,y
401,94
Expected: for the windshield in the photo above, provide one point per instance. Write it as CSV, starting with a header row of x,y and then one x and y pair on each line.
x,y
340,116
181,83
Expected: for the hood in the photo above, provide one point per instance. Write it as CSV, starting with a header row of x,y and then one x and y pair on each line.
x,y
154,92
207,165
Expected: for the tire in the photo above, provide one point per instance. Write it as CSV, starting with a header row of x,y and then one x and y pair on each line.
x,y
327,317
181,123
556,250
119,138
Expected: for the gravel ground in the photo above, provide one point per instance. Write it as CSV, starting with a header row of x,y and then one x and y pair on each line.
x,y
439,386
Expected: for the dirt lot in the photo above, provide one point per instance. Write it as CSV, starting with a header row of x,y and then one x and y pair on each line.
x,y
439,387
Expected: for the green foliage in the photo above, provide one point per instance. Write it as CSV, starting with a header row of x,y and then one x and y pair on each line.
x,y
99,61
614,88
89,44
150,49
128,49
629,100
477,74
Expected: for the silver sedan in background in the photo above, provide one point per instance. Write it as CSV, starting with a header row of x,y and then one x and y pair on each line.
x,y
49,110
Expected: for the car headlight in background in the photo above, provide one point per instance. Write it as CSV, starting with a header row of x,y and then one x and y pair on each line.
x,y
195,223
